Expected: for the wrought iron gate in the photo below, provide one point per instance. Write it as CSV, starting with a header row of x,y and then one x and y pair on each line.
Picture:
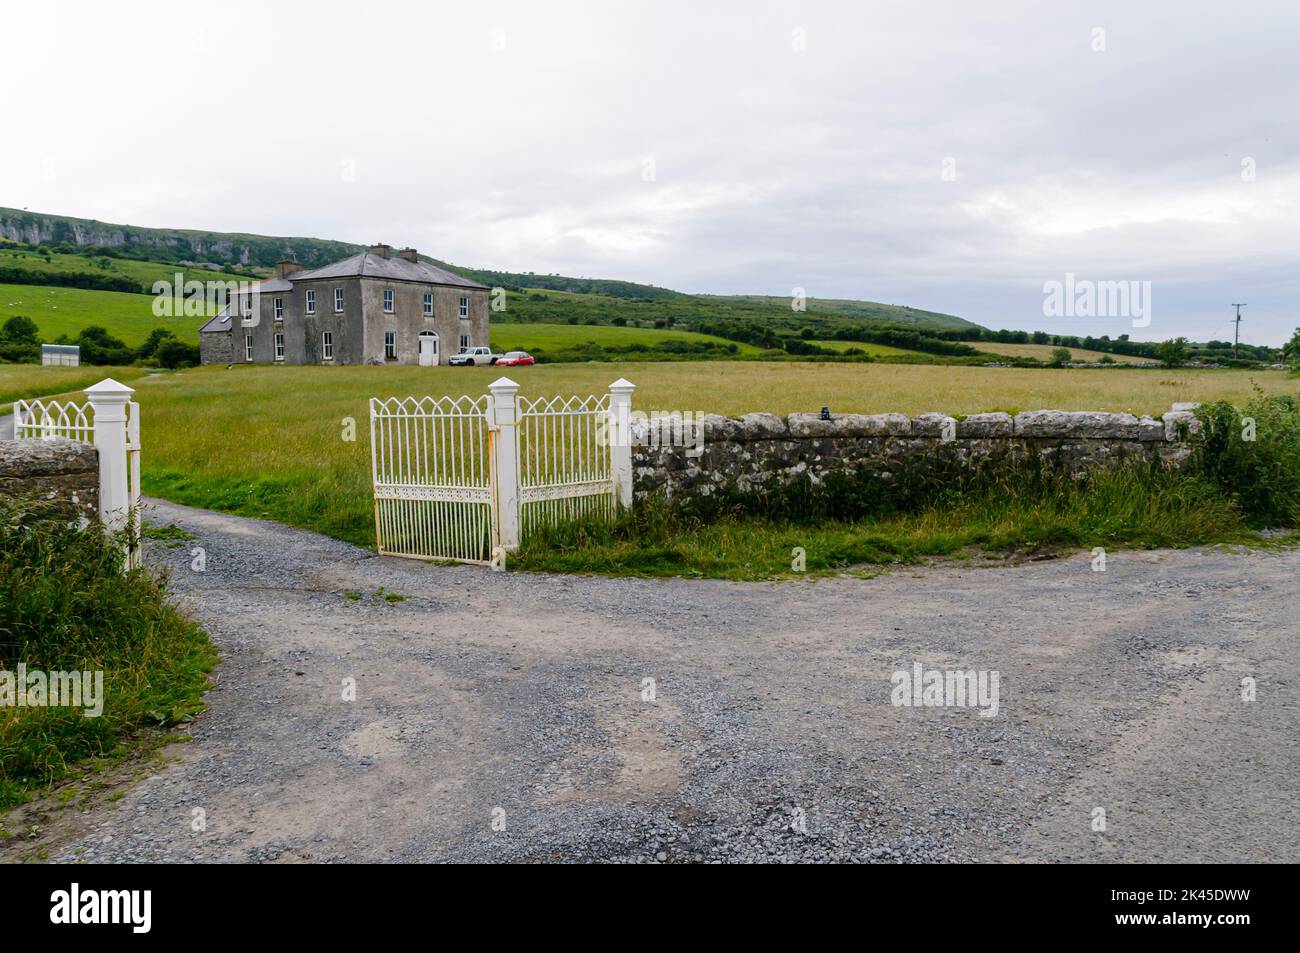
x,y
467,478
433,478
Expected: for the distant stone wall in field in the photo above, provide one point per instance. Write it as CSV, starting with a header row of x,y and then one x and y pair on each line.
x,y
58,478
674,457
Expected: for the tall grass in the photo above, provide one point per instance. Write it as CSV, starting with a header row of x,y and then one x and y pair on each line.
x,y
65,605
1001,509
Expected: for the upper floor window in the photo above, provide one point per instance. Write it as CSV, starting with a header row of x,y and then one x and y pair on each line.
x,y
464,307
428,302
388,300
390,344
338,299
279,309
248,305
311,302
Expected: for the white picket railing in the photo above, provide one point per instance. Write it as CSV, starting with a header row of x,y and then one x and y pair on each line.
x,y
465,478
111,421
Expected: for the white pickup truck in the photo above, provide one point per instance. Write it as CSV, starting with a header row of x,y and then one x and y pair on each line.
x,y
475,355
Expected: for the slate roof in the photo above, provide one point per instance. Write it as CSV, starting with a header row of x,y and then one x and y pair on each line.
x,y
220,323
271,284
368,265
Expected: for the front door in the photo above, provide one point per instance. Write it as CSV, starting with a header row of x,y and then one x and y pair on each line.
x,y
428,349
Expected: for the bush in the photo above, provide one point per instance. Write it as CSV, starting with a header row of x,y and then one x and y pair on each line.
x,y
20,340
174,353
65,605
1254,457
100,347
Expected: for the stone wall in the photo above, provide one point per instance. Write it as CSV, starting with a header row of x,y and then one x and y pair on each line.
x,y
676,457
58,478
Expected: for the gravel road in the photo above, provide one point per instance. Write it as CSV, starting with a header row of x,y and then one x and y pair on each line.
x,y
507,717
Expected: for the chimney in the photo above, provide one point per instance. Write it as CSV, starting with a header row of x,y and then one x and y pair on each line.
x,y
409,254
381,250
283,269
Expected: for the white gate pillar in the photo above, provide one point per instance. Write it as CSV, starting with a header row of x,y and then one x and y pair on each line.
x,y
504,421
620,426
108,400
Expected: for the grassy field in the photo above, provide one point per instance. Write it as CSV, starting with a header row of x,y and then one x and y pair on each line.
x,y
25,381
1043,352
558,337
145,273
270,439
875,350
67,311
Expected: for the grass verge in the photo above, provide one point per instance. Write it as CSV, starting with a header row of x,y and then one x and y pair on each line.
x,y
65,606
1243,475
1131,506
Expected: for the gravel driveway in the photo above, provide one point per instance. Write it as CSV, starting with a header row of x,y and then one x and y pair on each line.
x,y
503,716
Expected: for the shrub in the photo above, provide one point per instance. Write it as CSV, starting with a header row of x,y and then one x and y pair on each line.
x,y
100,347
1254,457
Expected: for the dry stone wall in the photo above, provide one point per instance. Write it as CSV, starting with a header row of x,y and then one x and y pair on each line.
x,y
58,478
678,457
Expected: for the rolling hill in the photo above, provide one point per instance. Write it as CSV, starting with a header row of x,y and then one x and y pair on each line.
x,y
610,297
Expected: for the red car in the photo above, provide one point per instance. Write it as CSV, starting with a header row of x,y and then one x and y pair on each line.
x,y
515,359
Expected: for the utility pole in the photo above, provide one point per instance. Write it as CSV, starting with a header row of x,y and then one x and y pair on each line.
x,y
1236,337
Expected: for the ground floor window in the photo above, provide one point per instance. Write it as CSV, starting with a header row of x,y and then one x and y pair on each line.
x,y
390,345
248,347
279,346
327,346
464,342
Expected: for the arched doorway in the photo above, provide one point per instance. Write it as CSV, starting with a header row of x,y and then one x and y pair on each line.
x,y
428,348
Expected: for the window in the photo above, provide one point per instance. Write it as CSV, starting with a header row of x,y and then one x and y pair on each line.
x,y
338,299
428,302
464,307
390,345
279,309
248,305
464,342
311,302
248,347
388,300
279,345
327,346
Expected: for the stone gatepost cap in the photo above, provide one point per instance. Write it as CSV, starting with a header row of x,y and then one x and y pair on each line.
x,y
503,383
109,388
622,384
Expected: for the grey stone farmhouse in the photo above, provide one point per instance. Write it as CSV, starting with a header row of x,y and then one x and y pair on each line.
x,y
378,307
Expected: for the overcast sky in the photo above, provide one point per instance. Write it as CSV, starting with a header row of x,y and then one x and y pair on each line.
x,y
709,147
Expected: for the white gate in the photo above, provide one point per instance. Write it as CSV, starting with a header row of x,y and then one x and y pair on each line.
x,y
564,461
465,478
111,421
433,466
